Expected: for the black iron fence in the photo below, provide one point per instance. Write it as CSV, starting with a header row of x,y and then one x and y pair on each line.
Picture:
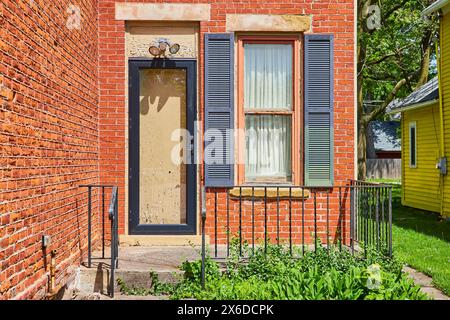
x,y
371,219
113,223
354,216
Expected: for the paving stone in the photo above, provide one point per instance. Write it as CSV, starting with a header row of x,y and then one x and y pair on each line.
x,y
426,284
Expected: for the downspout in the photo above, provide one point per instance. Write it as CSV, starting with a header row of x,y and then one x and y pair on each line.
x,y
441,108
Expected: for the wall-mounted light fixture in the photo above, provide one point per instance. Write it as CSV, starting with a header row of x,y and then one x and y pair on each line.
x,y
160,50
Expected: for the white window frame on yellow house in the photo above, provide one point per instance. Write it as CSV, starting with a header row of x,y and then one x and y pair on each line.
x,y
413,124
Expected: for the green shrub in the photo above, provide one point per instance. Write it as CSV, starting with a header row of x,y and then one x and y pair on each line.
x,y
277,274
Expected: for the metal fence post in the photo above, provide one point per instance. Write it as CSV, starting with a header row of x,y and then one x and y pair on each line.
x,y
328,220
390,221
315,221
203,236
113,263
240,222
352,218
114,228
341,222
116,219
265,220
103,222
215,224
89,226
290,220
377,218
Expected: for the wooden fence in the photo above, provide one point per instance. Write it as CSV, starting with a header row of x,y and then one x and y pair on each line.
x,y
384,168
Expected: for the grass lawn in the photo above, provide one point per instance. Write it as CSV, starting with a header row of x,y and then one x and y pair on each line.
x,y
422,241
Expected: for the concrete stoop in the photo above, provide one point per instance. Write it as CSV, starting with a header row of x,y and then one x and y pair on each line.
x,y
135,265
93,283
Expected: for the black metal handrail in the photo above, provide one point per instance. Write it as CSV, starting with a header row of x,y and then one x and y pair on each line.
x,y
113,217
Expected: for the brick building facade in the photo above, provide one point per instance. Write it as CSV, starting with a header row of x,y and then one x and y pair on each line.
x,y
65,97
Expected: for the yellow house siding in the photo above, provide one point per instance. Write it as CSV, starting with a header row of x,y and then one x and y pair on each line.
x,y
421,184
445,78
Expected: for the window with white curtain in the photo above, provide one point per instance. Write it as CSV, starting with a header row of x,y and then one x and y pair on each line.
x,y
268,110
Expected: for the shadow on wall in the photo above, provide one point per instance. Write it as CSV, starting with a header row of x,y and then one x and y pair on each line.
x,y
158,85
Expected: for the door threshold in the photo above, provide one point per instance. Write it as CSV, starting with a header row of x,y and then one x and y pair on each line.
x,y
161,240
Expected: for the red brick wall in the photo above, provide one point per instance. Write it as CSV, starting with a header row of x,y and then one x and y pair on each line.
x,y
295,221
48,139
111,79
63,111
332,16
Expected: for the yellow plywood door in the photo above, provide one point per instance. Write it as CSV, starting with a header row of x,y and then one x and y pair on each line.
x,y
421,183
162,176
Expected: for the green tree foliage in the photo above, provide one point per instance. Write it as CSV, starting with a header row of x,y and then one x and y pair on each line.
x,y
395,47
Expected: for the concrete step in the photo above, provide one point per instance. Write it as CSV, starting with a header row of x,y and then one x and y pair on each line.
x,y
97,279
135,265
93,283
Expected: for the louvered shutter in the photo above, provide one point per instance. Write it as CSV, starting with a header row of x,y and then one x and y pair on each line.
x,y
318,110
219,93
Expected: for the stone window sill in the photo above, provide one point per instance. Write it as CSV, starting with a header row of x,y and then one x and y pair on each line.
x,y
283,192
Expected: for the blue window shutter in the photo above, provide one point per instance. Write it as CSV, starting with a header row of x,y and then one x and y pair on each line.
x,y
219,105
319,110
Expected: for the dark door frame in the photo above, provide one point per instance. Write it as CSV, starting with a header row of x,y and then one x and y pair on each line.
x,y
134,227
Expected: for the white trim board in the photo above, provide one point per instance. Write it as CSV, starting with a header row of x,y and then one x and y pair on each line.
x,y
414,106
440,4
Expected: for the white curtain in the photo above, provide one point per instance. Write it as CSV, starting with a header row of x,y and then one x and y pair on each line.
x,y
268,86
268,76
268,142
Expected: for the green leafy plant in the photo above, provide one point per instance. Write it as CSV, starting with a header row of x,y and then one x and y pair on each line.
x,y
157,287
274,273
132,290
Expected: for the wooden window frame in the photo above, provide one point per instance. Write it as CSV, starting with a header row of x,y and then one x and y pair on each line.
x,y
297,129
412,124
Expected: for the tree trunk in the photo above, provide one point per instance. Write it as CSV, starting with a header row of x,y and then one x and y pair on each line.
x,y
362,143
425,68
